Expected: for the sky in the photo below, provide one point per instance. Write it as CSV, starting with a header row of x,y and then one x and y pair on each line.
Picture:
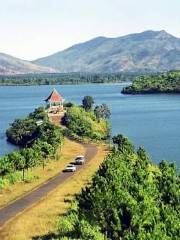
x,y
31,29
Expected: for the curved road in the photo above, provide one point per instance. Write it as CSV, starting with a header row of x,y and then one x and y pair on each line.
x,y
18,206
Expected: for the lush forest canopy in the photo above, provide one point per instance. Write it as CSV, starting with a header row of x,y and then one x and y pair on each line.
x,y
69,78
159,83
24,132
38,139
129,199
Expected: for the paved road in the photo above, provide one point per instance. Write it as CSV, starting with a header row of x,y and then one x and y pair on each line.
x,y
18,206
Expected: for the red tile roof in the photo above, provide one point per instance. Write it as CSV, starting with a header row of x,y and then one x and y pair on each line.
x,y
54,97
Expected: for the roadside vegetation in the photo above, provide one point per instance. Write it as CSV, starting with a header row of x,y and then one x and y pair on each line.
x,y
86,122
38,139
37,175
159,83
47,212
129,198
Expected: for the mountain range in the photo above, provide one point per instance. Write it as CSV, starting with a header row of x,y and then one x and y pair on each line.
x,y
149,51
10,65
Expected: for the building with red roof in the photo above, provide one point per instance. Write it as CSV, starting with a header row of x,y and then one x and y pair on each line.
x,y
55,102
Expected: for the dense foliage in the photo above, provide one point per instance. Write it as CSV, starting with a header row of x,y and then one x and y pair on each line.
x,y
24,131
68,78
160,83
129,199
84,124
41,139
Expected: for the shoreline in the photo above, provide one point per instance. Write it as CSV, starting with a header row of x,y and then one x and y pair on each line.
x,y
57,84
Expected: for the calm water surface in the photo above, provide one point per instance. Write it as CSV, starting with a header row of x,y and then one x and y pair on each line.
x,y
149,120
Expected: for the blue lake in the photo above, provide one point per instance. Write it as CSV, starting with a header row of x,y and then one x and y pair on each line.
x,y
149,120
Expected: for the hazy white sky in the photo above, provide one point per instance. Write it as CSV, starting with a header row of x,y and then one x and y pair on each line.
x,y
36,28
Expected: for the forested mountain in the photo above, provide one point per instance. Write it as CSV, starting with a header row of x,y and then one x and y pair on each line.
x,y
11,65
146,51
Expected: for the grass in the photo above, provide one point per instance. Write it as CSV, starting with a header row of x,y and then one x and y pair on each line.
x,y
41,219
38,175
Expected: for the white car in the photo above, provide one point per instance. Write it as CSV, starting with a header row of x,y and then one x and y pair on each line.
x,y
79,160
70,168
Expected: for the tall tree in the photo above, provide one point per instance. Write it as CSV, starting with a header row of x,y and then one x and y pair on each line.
x,y
87,103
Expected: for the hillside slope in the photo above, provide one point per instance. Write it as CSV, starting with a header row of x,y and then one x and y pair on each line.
x,y
11,65
146,51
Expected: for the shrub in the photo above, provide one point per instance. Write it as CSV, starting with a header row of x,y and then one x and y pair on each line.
x,y
10,179
84,124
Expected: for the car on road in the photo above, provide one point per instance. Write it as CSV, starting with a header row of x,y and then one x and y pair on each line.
x,y
70,168
79,160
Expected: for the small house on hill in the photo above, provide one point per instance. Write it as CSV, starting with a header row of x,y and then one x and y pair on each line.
x,y
55,102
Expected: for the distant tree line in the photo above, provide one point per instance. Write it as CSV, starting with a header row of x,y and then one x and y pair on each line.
x,y
64,78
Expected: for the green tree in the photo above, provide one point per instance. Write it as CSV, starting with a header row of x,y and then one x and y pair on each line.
x,y
6,166
39,114
143,156
102,111
31,157
123,143
46,150
22,132
87,103
169,184
19,162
